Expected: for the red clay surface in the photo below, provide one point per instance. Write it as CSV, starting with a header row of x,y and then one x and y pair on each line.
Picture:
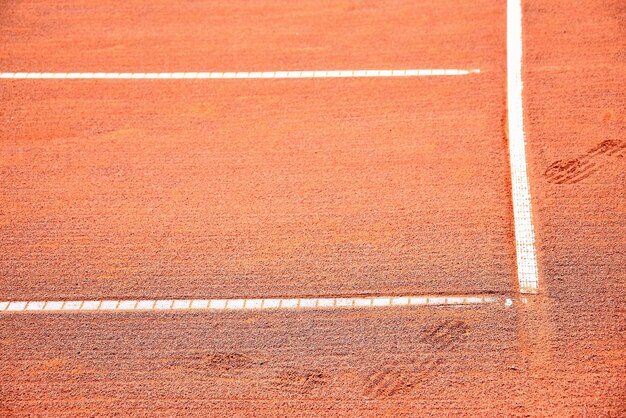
x,y
240,189
256,188
268,35
168,189
352,363
576,145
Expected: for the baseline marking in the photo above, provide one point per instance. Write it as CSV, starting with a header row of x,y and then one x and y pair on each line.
x,y
527,272
141,305
243,75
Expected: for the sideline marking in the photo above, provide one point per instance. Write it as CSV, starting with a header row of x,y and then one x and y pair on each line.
x,y
242,75
527,273
152,305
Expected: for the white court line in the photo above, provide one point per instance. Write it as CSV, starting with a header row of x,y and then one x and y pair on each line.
x,y
527,273
242,75
173,305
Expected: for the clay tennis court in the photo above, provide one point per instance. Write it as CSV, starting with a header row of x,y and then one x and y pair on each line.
x,y
314,208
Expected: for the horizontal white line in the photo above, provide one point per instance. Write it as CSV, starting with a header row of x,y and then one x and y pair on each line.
x,y
242,75
154,305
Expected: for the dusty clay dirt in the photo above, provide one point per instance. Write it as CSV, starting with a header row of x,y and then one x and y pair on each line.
x,y
134,189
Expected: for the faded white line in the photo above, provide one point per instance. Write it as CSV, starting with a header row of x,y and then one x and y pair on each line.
x,y
527,272
242,75
154,305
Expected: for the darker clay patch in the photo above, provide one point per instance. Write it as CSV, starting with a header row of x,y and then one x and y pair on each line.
x,y
577,169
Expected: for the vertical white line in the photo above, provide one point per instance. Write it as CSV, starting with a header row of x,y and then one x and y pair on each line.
x,y
527,274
